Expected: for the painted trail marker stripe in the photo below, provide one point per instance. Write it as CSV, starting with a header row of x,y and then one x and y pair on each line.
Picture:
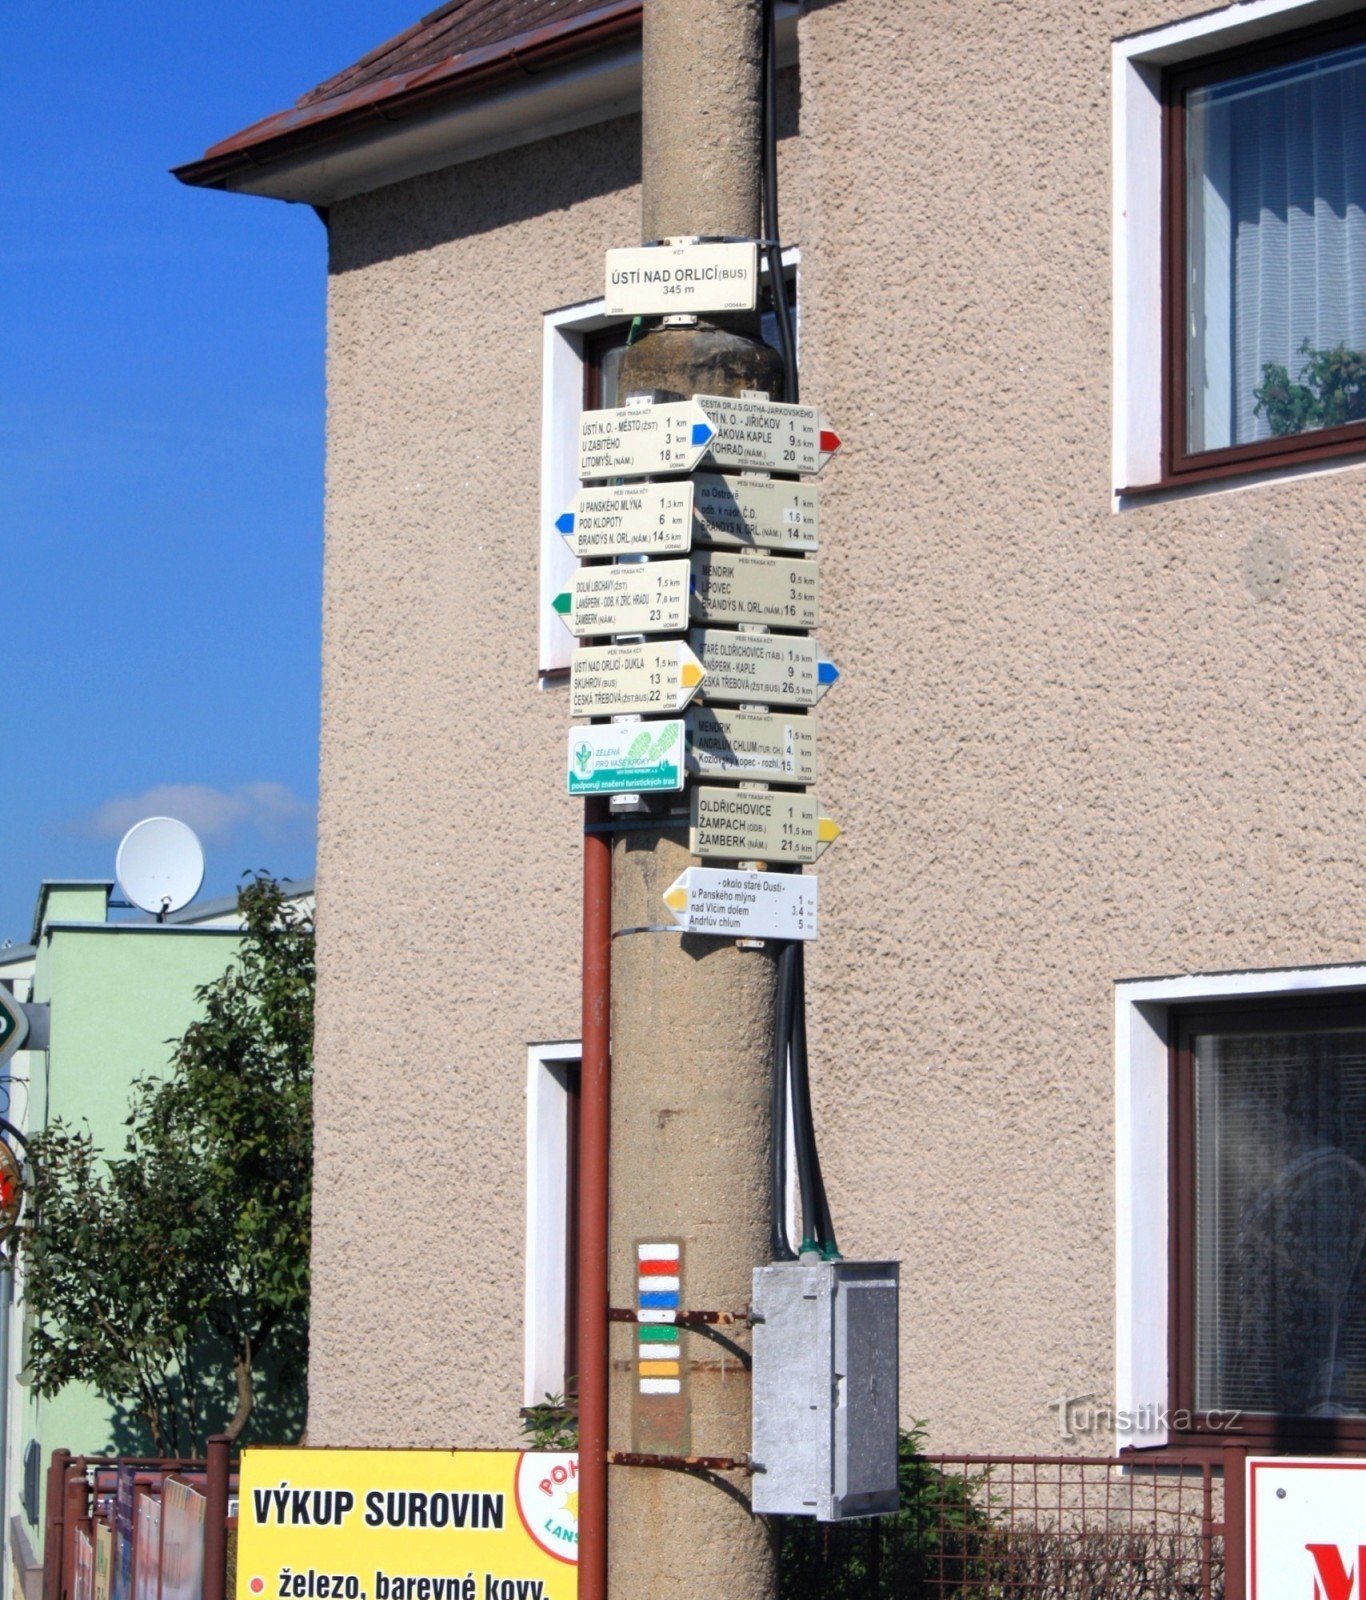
x,y
659,1425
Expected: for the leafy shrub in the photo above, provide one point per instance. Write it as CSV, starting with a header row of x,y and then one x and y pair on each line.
x,y
935,1544
1332,391
551,1424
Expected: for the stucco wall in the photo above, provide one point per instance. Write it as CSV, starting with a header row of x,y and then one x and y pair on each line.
x,y
1069,747
449,856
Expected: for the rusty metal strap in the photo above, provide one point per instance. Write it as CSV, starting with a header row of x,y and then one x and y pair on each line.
x,y
715,1319
634,1458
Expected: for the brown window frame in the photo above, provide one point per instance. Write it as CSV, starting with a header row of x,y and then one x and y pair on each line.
x,y
1179,465
1257,1430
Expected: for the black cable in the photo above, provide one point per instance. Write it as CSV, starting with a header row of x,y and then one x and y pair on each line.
x,y
772,245
790,1059
780,1246
803,1130
820,1225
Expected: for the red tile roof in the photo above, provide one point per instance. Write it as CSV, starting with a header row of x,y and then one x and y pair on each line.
x,y
463,46
451,30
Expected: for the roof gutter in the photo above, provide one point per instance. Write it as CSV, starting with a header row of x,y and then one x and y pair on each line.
x,y
536,85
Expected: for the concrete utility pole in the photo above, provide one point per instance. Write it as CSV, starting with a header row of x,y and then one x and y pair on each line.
x,y
692,1018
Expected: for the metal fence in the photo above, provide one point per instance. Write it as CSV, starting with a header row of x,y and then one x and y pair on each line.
x,y
1042,1527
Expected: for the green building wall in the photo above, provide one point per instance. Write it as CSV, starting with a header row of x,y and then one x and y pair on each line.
x,y
121,995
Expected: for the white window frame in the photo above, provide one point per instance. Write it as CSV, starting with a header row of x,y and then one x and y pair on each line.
x,y
1143,1166
564,337
1138,65
547,1215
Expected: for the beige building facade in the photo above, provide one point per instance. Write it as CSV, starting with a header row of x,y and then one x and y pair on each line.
x,y
1096,745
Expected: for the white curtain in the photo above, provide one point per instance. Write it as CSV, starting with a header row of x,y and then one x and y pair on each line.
x,y
1276,232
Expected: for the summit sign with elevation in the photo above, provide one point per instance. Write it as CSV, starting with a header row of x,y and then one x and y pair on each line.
x,y
663,280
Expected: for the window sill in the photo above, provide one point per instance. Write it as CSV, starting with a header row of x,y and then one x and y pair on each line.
x,y
1266,1436
1234,476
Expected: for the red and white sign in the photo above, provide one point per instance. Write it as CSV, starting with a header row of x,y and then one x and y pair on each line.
x,y
1306,1528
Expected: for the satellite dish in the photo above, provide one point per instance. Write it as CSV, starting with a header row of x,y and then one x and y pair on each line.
x,y
160,865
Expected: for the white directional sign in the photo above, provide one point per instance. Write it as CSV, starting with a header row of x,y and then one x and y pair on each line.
x,y
13,1025
1306,1527
650,597
657,280
630,519
767,435
744,905
633,441
755,513
758,825
626,758
620,679
762,669
774,747
777,591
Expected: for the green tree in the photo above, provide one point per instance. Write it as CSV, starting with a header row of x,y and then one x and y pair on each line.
x,y
143,1270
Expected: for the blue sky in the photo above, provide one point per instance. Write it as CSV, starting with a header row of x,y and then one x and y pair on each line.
x,y
161,417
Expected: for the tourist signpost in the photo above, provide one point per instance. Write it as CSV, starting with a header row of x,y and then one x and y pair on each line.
x,y
751,746
770,669
629,519
767,435
697,526
623,679
758,825
777,591
730,904
649,598
752,513
636,441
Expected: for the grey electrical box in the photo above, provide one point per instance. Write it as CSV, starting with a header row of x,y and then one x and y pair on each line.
x,y
825,1389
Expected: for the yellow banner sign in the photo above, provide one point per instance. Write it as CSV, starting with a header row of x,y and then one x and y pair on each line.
x,y
407,1525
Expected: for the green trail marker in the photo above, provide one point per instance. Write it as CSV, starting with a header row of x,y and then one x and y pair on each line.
x,y
626,758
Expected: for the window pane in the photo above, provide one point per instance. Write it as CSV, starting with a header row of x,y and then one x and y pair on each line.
x,y
1276,251
1280,1285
